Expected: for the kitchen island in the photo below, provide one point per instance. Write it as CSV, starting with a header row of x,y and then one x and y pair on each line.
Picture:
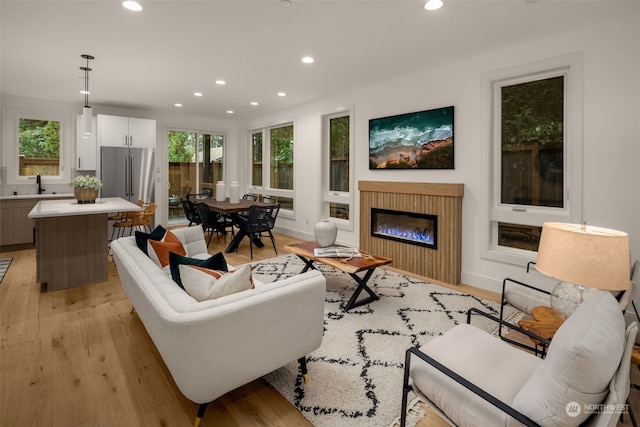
x,y
71,240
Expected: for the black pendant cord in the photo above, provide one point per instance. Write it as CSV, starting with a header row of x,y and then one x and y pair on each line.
x,y
86,79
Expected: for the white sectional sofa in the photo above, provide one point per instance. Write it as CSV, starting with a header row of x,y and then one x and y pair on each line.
x,y
215,346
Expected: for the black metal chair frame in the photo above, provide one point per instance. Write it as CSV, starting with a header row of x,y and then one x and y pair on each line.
x,y
191,212
259,219
212,222
538,350
194,197
406,387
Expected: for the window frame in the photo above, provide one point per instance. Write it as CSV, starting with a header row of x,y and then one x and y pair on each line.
x,y
12,138
198,132
265,189
571,67
329,196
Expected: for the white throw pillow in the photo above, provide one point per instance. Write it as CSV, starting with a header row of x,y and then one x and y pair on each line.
x,y
582,358
203,284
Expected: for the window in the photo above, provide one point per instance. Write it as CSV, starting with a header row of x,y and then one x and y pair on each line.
x,y
256,155
536,145
39,143
337,166
39,151
196,161
273,176
281,157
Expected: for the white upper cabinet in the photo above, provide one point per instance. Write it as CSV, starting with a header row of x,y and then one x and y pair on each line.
x,y
86,148
116,131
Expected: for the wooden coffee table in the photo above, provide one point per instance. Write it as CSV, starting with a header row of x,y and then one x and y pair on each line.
x,y
351,266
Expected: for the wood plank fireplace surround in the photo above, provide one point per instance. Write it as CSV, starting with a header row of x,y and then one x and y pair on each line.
x,y
441,261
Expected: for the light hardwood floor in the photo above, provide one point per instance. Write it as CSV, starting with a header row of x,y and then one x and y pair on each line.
x,y
79,357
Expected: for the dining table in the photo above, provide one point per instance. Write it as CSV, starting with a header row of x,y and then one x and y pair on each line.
x,y
226,208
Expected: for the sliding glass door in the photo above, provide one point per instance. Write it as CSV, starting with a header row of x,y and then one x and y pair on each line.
x,y
196,163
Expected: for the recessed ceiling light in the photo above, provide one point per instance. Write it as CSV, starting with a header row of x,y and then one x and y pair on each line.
x,y
282,94
85,92
229,111
433,4
254,103
285,2
308,60
198,94
221,82
177,104
132,5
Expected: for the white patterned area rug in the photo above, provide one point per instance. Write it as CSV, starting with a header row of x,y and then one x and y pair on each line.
x,y
4,266
356,374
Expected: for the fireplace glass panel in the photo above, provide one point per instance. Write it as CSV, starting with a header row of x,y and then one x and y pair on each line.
x,y
409,227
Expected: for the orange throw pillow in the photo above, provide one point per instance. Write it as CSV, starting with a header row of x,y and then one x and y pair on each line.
x,y
171,243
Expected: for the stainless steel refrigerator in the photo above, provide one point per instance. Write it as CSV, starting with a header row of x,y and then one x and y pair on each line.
x,y
128,173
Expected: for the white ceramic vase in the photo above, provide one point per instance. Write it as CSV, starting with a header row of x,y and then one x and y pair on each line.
x,y
234,192
220,191
325,233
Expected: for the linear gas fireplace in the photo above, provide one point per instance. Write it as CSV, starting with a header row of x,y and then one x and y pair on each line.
x,y
408,227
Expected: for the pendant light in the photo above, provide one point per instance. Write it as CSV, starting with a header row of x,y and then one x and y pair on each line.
x,y
86,120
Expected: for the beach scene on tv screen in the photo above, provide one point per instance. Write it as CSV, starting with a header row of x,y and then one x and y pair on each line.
x,y
420,140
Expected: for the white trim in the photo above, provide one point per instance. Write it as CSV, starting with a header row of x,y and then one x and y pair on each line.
x,y
266,188
572,67
342,197
67,144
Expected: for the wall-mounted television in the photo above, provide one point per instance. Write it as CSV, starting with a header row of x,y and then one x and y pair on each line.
x,y
420,140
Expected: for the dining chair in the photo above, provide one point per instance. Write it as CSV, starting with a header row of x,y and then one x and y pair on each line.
x,y
191,212
121,215
137,219
204,194
212,222
246,196
259,220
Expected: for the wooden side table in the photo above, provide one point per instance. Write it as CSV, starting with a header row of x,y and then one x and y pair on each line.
x,y
545,323
635,355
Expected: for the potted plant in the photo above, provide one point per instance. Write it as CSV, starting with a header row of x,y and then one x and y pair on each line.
x,y
86,188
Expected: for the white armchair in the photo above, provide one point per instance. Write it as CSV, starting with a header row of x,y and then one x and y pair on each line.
x,y
474,378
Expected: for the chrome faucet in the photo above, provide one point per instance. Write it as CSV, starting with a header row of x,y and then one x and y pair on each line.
x,y
39,182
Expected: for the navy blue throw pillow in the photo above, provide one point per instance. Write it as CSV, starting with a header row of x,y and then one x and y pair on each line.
x,y
215,262
142,238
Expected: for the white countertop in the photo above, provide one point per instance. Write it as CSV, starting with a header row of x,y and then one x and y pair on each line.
x,y
37,196
70,207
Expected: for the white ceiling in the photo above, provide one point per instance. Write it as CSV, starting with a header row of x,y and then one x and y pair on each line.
x,y
155,58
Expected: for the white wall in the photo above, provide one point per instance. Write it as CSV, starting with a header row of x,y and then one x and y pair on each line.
x,y
611,136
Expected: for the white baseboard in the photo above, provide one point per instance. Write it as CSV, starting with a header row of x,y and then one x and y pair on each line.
x,y
481,282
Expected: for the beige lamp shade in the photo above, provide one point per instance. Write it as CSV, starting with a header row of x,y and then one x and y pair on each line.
x,y
585,255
